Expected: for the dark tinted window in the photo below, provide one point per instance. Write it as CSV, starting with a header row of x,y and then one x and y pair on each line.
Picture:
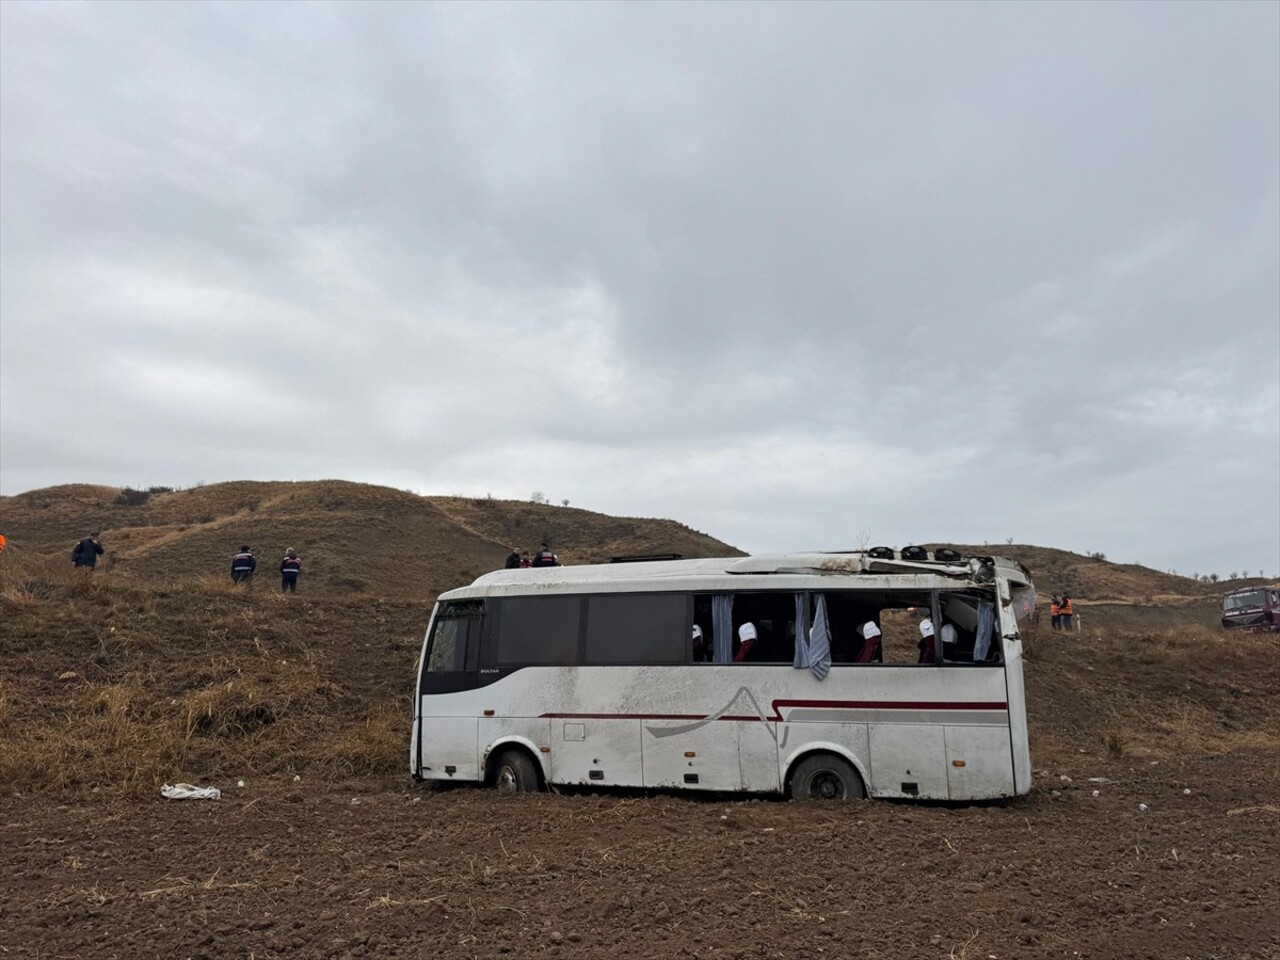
x,y
455,641
638,628
538,630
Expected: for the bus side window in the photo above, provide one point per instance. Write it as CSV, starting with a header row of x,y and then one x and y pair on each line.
x,y
536,630
637,628
968,633
773,617
900,629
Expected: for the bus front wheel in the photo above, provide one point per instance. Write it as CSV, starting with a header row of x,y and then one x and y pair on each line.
x,y
513,772
824,776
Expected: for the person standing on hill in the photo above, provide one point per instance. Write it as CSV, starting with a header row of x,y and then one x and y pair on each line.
x,y
290,567
87,551
1064,615
242,565
525,560
513,560
1055,614
545,558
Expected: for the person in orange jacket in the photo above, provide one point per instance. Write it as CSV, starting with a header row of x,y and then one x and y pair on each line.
x,y
1055,614
1064,612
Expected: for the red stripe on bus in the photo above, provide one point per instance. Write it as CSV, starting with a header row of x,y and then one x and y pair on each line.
x,y
777,704
893,704
635,716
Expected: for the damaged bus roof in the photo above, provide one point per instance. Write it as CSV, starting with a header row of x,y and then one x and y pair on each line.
x,y
723,571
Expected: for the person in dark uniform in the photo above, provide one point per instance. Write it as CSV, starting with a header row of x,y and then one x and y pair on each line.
x,y
87,551
290,567
545,558
242,565
513,561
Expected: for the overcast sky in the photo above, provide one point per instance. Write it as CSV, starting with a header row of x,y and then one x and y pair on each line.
x,y
799,276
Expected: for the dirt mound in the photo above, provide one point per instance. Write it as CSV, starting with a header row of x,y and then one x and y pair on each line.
x,y
354,538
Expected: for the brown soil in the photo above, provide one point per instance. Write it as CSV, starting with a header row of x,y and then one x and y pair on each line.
x,y
114,682
379,868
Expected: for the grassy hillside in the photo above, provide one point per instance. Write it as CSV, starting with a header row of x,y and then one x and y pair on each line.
x,y
354,538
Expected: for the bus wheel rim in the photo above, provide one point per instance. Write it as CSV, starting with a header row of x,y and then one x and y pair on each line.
x,y
828,786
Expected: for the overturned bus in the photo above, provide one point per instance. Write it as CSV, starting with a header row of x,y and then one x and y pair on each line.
x,y
1252,608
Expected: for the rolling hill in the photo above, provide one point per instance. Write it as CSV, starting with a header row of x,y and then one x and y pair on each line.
x,y
354,538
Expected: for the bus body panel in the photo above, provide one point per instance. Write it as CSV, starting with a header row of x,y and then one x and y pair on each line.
x,y
607,753
744,725
978,763
707,757
450,743
758,756
908,760
1016,730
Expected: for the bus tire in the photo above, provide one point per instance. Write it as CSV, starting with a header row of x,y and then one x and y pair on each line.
x,y
514,772
825,776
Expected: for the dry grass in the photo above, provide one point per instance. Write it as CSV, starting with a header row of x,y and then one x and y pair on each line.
x,y
115,685
378,747
220,585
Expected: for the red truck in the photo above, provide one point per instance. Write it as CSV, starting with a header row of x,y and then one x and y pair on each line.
x,y
1252,608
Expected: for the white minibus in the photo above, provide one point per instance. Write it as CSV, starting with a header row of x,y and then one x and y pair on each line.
x,y
879,673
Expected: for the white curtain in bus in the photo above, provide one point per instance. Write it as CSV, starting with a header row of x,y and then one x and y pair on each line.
x,y
820,641
722,628
800,659
986,623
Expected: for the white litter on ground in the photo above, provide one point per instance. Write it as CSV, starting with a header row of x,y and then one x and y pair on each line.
x,y
185,791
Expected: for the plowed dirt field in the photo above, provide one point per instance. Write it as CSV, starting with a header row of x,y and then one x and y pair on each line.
x,y
386,869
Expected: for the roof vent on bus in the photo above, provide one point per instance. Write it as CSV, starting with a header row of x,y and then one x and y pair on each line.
x,y
915,553
947,555
881,553
646,557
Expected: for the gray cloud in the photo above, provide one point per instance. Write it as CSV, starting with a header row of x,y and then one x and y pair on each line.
x,y
789,273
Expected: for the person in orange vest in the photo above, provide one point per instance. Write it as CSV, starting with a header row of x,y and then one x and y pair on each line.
x,y
1055,614
1064,611
2,542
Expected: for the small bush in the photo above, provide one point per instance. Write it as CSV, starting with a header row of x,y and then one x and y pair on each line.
x,y
129,497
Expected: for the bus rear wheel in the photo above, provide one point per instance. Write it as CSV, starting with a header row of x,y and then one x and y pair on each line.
x,y
513,772
824,776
